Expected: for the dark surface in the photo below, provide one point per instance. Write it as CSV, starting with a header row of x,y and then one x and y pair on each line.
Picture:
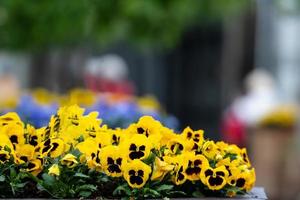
x,y
257,193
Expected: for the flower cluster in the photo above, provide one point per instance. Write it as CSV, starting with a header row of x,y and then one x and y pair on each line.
x,y
281,117
117,110
146,159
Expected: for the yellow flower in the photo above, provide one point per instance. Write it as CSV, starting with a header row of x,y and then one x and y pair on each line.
x,y
180,165
243,178
10,118
215,179
43,97
90,125
5,141
53,148
35,137
15,133
70,115
82,97
209,149
90,153
54,170
34,167
251,179
195,136
146,126
116,136
87,147
230,193
232,149
227,164
69,160
54,127
166,135
23,153
148,103
102,139
112,159
137,147
160,169
196,163
4,156
136,173
245,157
177,144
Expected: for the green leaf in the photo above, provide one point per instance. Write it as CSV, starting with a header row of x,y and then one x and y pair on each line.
x,y
197,194
164,187
13,172
88,187
81,175
48,180
6,148
148,192
85,194
176,193
2,178
150,159
104,179
120,190
20,185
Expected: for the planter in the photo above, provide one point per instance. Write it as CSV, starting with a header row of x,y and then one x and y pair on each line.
x,y
270,150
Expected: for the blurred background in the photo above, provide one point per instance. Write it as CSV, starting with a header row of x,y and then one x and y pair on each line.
x,y
228,67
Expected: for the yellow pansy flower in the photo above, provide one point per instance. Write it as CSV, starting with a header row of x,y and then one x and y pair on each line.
x,y
90,125
54,170
112,159
5,141
34,167
147,126
34,136
4,156
177,144
43,97
180,165
103,139
209,149
54,127
53,148
23,153
195,165
160,169
148,103
136,173
15,133
69,160
244,155
214,179
137,147
10,118
166,135
232,149
90,153
251,179
244,179
70,115
82,97
195,136
227,164
116,136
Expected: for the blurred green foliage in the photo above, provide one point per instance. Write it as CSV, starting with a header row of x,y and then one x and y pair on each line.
x,y
41,24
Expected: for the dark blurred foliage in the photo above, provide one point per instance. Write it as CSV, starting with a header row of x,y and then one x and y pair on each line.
x,y
43,24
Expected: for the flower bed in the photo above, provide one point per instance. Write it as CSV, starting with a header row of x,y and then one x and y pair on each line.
x,y
77,156
117,110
